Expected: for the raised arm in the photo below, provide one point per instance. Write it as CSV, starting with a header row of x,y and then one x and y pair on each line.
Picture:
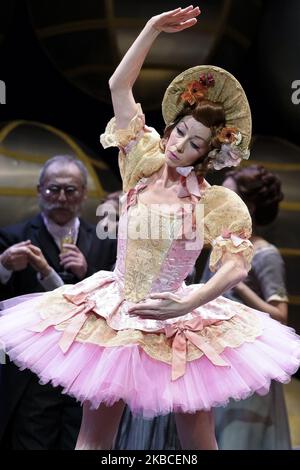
x,y
125,75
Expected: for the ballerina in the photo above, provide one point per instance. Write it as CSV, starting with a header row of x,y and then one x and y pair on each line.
x,y
139,335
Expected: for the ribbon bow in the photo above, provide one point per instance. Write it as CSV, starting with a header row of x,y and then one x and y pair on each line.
x,y
132,194
184,332
79,316
227,235
189,182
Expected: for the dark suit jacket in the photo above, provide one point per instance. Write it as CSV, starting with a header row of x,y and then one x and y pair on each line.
x,y
99,254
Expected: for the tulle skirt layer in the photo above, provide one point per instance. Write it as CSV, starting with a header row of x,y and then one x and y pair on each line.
x,y
98,374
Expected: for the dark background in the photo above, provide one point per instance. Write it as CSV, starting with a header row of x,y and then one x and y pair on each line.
x,y
258,41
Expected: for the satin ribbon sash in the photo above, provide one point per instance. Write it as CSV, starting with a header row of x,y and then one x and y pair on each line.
x,y
79,315
184,332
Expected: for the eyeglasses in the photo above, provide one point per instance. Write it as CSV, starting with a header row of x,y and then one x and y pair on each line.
x,y
54,191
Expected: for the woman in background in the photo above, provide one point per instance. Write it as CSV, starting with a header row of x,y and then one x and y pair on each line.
x,y
259,422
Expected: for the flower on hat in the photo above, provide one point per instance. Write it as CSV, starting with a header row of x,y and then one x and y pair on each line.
x,y
228,155
207,79
229,135
196,91
229,138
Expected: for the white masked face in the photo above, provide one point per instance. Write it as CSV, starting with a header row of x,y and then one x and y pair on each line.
x,y
188,141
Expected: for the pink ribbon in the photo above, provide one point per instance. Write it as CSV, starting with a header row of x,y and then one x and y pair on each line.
x,y
189,185
132,194
79,316
184,332
189,182
236,240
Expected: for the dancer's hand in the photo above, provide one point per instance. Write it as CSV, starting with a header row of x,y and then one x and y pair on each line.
x,y
162,306
175,20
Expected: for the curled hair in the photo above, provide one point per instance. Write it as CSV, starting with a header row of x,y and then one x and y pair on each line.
x,y
210,114
260,188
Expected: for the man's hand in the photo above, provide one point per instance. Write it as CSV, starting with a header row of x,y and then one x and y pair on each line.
x,y
162,306
73,260
15,258
38,261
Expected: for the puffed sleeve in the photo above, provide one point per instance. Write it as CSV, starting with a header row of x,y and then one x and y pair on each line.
x,y
140,154
227,226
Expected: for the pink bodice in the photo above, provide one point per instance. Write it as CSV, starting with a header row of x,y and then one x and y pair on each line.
x,y
156,249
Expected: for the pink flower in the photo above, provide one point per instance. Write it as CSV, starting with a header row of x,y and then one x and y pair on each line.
x,y
229,155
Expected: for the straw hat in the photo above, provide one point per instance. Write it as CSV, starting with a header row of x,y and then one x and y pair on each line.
x,y
217,85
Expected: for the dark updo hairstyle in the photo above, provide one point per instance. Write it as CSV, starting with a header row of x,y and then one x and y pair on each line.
x,y
260,189
211,115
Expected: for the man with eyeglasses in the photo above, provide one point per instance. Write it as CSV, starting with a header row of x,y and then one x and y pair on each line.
x,y
41,254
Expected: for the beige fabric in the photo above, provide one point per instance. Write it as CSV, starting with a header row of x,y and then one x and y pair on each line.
x,y
226,90
224,211
243,327
140,155
145,255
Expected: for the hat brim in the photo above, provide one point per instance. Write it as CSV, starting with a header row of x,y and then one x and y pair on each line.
x,y
226,90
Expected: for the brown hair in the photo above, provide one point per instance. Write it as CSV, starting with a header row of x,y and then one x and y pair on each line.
x,y
260,188
210,114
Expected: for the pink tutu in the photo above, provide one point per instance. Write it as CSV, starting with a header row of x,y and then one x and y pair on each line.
x,y
107,374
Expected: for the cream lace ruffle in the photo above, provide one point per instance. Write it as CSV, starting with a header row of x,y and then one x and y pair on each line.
x,y
243,327
226,217
222,246
114,137
140,155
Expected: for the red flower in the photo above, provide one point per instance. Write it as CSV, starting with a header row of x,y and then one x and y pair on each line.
x,y
195,92
227,135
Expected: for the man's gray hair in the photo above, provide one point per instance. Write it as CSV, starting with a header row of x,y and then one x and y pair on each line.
x,y
64,160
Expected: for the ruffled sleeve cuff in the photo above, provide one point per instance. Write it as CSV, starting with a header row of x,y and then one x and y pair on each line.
x,y
231,244
113,137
